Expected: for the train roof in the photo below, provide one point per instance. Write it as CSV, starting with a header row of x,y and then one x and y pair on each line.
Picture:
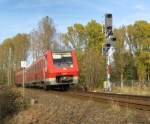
x,y
60,51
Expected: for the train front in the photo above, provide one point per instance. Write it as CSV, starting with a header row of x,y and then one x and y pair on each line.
x,y
64,68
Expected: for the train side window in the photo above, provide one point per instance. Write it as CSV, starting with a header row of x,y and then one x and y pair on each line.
x,y
45,62
40,65
35,67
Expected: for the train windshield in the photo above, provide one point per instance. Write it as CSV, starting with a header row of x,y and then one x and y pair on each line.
x,y
62,60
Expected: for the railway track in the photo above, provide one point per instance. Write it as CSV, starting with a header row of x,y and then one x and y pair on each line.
x,y
132,101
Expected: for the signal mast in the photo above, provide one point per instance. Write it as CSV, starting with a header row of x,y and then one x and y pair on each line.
x,y
108,47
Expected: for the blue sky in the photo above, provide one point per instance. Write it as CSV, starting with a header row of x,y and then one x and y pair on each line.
x,y
21,16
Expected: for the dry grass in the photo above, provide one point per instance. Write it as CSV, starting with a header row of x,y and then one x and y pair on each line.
x,y
11,102
115,106
133,90
55,109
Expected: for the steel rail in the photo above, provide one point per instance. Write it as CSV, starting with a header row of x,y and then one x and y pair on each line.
x,y
133,101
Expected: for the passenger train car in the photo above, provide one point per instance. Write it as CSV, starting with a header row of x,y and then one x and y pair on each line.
x,y
53,69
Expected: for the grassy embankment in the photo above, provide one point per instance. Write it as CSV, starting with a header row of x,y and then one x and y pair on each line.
x,y
11,101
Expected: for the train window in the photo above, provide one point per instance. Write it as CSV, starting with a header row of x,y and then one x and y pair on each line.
x,y
42,63
61,60
45,62
38,66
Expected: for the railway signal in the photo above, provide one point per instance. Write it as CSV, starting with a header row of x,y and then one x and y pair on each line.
x,y
108,46
108,25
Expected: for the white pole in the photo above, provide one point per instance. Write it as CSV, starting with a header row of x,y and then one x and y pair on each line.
x,y
8,76
108,71
9,67
23,65
23,82
60,38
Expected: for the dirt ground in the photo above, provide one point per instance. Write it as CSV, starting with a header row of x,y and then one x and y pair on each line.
x,y
52,108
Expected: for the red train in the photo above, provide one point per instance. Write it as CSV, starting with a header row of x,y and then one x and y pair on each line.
x,y
53,69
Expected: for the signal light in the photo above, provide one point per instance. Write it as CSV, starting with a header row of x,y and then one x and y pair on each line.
x,y
106,47
108,25
109,28
109,15
113,38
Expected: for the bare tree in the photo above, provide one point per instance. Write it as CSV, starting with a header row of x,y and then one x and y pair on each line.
x,y
47,32
43,38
